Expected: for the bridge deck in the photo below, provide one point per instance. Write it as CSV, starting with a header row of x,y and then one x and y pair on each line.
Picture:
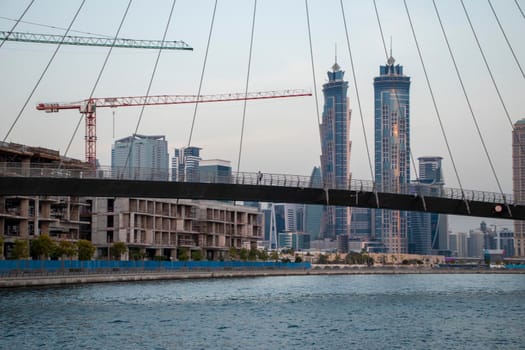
x,y
96,187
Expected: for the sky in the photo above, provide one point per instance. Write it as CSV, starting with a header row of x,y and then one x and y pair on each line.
x,y
280,135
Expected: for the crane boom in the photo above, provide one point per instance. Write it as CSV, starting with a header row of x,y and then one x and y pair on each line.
x,y
93,41
132,101
88,107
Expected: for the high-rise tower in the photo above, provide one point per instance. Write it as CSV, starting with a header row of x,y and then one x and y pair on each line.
x,y
141,157
428,233
518,181
185,164
335,148
392,150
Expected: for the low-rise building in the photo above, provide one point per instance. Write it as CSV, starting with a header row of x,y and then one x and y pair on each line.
x,y
165,227
26,217
149,227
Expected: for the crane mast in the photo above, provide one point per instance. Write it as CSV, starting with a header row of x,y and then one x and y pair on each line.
x,y
88,107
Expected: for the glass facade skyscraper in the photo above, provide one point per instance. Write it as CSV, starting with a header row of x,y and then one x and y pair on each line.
x,y
335,148
215,170
431,175
392,150
313,212
141,157
185,164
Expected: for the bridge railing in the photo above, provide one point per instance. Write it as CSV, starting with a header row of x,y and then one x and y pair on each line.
x,y
247,178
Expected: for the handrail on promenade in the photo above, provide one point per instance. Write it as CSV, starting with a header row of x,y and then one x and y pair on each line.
x,y
246,178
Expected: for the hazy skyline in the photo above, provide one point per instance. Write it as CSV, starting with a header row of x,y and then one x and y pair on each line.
x,y
273,142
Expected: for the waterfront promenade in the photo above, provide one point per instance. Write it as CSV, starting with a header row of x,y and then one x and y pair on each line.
x,y
36,279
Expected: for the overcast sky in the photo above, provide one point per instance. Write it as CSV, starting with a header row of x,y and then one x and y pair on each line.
x,y
281,135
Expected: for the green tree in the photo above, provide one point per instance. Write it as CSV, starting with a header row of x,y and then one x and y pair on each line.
x,y
322,259
274,255
64,248
233,253
262,255
183,254
117,249
1,247
298,258
196,255
42,247
86,249
136,254
243,254
252,255
20,249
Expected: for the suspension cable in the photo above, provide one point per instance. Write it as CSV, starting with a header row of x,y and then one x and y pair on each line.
x,y
381,30
315,89
312,61
396,95
487,65
474,119
519,7
202,73
44,72
98,78
246,86
434,100
17,21
150,82
506,39
357,92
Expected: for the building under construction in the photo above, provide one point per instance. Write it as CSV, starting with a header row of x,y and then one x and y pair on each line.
x,y
149,227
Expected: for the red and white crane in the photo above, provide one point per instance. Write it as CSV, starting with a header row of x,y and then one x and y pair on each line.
x,y
88,107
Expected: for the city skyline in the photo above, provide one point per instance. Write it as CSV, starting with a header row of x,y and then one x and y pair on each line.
x,y
273,143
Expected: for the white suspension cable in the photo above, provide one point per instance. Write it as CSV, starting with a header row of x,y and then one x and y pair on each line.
x,y
246,85
44,71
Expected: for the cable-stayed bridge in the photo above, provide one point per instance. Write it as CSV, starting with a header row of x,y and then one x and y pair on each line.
x,y
250,186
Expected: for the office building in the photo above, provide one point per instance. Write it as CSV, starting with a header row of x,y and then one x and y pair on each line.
x,y
362,225
185,164
312,212
431,175
335,150
215,170
141,157
392,151
428,231
518,177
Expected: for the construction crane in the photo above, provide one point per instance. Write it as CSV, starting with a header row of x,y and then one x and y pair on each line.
x,y
93,41
88,107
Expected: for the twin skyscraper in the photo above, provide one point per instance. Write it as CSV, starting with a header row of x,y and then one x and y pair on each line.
x,y
391,162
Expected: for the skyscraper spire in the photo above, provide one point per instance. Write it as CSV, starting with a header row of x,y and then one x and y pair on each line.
x,y
336,67
391,59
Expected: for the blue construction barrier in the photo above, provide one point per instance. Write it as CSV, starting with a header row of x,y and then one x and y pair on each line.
x,y
515,266
51,266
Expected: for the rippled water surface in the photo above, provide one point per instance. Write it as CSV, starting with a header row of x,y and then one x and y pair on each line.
x,y
307,312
